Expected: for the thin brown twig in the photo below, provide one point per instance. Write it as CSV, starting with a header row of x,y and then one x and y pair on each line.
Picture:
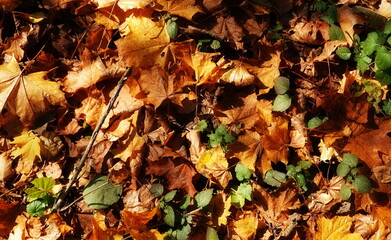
x,y
61,199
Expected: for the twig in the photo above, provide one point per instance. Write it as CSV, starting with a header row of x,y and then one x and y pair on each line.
x,y
60,200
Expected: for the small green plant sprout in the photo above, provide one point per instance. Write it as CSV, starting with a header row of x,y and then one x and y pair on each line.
x,y
220,136
348,170
177,214
171,26
208,45
40,196
101,193
243,192
283,101
201,126
316,122
298,173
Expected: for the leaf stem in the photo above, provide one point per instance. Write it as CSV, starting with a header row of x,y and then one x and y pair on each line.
x,y
61,199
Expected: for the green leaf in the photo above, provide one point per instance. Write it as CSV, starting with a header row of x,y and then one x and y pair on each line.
x,y
343,169
282,103
345,192
220,136
331,15
336,33
383,60
36,208
170,196
320,6
274,178
389,40
100,193
185,202
316,122
172,28
344,53
156,190
215,45
237,200
242,172
42,187
369,45
304,164
245,190
201,126
169,216
384,77
387,27
387,107
301,180
281,85
203,198
363,61
211,234
183,233
350,159
362,184
353,171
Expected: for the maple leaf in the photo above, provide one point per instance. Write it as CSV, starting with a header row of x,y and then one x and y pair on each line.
x,y
30,97
371,144
337,228
29,148
229,29
137,220
238,75
247,148
246,226
315,31
125,4
205,69
88,73
143,43
213,165
245,114
183,8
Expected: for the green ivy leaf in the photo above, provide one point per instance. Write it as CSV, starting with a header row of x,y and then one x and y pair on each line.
x,y
387,107
42,187
281,85
36,208
169,216
343,169
170,196
211,234
345,192
282,103
274,178
336,33
387,27
316,122
245,190
304,164
242,172
320,6
331,14
363,61
100,193
369,45
203,198
384,77
237,200
183,233
350,159
301,180
362,184
172,28
383,60
185,202
156,190
201,126
344,53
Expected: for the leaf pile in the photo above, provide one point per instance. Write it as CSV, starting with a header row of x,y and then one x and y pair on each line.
x,y
240,119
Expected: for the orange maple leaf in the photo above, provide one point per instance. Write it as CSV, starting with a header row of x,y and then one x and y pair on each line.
x,y
336,228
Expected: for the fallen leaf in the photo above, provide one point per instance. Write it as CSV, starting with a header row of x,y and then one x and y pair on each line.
x,y
314,31
182,8
227,28
213,165
8,213
336,228
6,170
30,97
384,9
347,20
143,43
246,226
29,148
220,205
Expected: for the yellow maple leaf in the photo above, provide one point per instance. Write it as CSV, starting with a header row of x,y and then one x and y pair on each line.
x,y
144,41
213,165
247,226
336,228
30,97
183,8
28,147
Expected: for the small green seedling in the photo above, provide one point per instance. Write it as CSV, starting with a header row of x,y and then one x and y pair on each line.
x,y
178,214
283,101
243,192
220,136
348,169
40,196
